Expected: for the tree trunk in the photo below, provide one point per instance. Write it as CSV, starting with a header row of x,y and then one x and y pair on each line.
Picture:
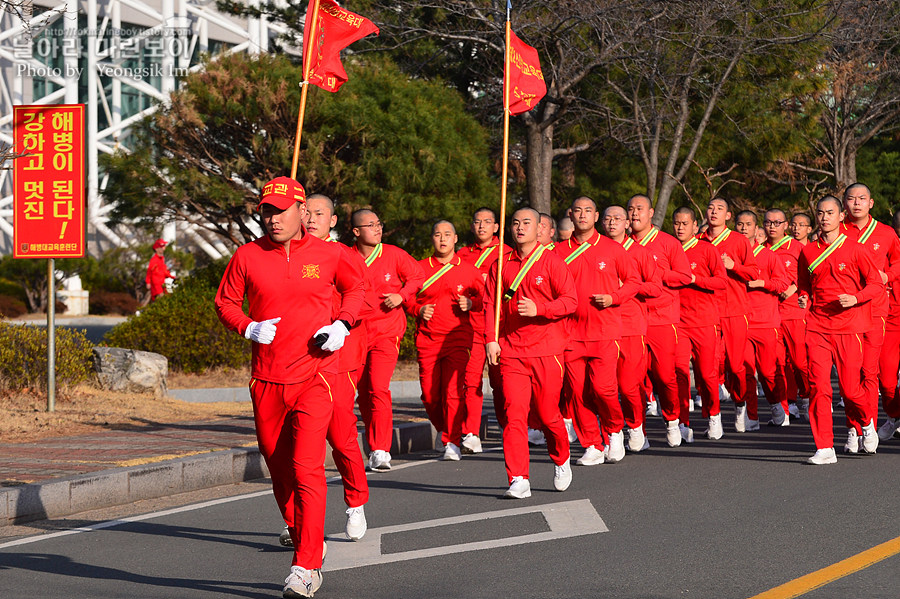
x,y
662,201
844,167
539,166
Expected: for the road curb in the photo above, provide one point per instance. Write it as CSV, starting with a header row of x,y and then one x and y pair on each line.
x,y
119,486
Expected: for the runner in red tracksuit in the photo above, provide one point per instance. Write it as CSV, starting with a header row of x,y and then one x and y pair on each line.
x,y
791,367
764,332
451,293
700,322
889,365
632,364
662,311
838,279
482,254
882,242
740,265
289,279
605,277
392,277
157,271
342,433
536,294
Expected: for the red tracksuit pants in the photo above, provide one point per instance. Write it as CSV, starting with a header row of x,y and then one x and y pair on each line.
x,y
591,382
662,341
701,345
375,392
474,398
889,364
791,367
732,351
532,384
873,341
845,351
342,435
442,375
630,372
291,426
761,357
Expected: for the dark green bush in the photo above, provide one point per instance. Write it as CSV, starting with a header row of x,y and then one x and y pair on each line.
x,y
184,327
23,358
408,343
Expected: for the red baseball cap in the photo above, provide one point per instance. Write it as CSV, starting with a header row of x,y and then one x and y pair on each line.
x,y
282,193
160,243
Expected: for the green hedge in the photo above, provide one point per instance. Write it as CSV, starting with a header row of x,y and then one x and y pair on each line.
x,y
23,358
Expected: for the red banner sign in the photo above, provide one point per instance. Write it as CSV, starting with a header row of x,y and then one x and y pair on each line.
x,y
525,78
49,182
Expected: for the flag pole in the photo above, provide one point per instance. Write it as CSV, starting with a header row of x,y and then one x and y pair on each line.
x,y
499,294
308,44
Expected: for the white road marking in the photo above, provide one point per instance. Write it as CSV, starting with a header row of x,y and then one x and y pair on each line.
x,y
565,519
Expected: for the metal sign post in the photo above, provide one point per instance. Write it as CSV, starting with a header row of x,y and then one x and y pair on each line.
x,y
51,336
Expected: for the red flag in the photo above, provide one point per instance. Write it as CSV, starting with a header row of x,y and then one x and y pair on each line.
x,y
525,78
335,29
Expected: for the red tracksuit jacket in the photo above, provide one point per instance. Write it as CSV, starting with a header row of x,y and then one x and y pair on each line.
x,y
603,268
449,326
676,273
885,247
849,269
300,289
634,311
764,301
393,271
699,305
789,255
157,273
549,284
483,260
734,301
353,355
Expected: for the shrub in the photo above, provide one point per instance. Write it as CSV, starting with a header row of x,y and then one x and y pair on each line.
x,y
112,302
12,307
23,358
408,343
184,327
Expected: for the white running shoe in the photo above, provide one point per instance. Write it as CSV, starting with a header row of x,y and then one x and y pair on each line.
x,y
852,444
869,441
536,437
698,402
519,488
687,433
803,407
673,433
637,441
471,444
752,425
793,410
592,456
356,523
380,460
452,452
562,476
615,451
715,431
570,429
724,395
301,583
652,408
740,417
887,430
285,538
779,418
823,456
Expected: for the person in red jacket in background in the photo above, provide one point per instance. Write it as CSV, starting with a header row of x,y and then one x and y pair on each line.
x,y
157,271
451,293
537,294
482,254
392,277
884,248
605,277
890,358
734,307
662,311
837,280
289,279
699,323
790,368
801,227
764,331
631,367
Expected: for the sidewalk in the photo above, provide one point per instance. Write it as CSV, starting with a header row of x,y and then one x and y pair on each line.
x,y
66,475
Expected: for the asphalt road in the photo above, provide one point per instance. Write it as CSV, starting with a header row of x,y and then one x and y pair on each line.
x,y
727,519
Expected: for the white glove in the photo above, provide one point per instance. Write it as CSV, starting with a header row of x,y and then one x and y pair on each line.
x,y
337,332
262,332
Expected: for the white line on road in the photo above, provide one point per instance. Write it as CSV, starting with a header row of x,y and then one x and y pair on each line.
x,y
565,519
